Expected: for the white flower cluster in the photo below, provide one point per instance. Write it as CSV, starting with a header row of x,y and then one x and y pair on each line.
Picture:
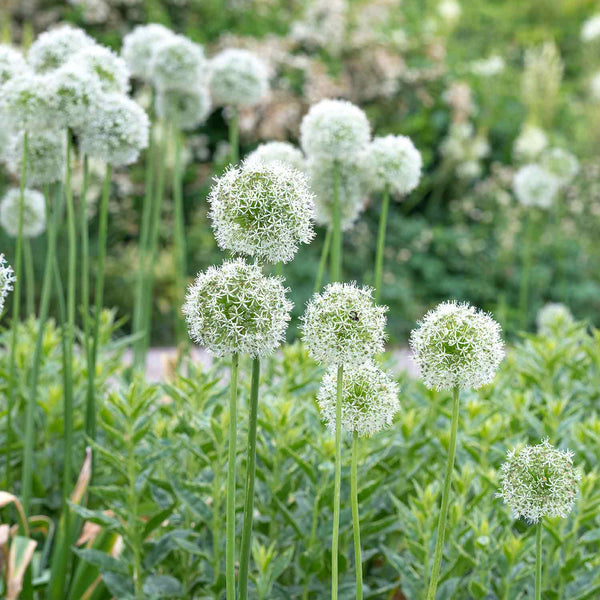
x,y
539,481
535,186
457,345
234,308
109,68
463,147
54,48
277,152
139,46
177,63
590,30
488,67
26,102
554,319
342,325
369,399
238,78
186,108
262,210
560,163
34,212
12,63
530,143
7,278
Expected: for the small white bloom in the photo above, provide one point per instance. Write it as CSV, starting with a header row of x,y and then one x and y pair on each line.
x,y
178,63
282,152
7,278
560,163
54,48
488,67
110,69
554,319
12,63
185,108
590,30
449,10
28,102
34,212
535,186
139,46
532,141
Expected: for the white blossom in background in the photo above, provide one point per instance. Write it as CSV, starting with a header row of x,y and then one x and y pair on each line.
x,y
234,308
139,46
92,11
594,87
465,149
27,102
554,318
530,143
110,69
488,67
590,30
34,212
560,163
238,78
7,279
55,47
273,152
369,399
186,108
457,345
535,186
323,25
539,481
12,63
176,62
449,10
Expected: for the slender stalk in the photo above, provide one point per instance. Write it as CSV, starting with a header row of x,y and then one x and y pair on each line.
x,y
441,529
29,278
381,242
234,135
560,250
337,484
250,477
133,518
525,270
336,239
323,261
85,270
179,236
15,314
538,560
355,518
216,525
230,519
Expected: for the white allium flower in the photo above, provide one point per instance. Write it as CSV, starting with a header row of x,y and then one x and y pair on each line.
x,y
560,163
46,155
449,10
54,48
488,67
234,308
7,278
457,345
369,399
532,141
12,63
343,325
539,481
535,186
554,318
238,78
590,30
178,63
116,131
336,129
186,108
34,212
262,210
139,46
110,69
282,152
28,102
396,163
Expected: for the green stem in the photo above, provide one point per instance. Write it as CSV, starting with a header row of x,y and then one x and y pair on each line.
x,y
179,236
560,247
85,270
441,530
336,239
381,242
133,518
250,477
216,525
355,518
525,270
337,484
234,136
538,561
230,519
323,261
29,278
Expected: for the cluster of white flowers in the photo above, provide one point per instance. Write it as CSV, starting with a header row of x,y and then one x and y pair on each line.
x,y
465,149
369,399
457,345
177,62
535,186
54,48
139,46
109,68
7,278
12,63
488,67
590,30
186,108
262,210
560,163
234,308
530,143
539,481
342,325
554,318
277,152
34,212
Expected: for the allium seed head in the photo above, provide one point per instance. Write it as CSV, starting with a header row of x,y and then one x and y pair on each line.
x,y
12,63
457,345
336,129
116,131
54,48
342,325
262,210
238,78
110,69
530,144
234,308
139,46
539,481
554,319
369,399
535,186
178,63
560,163
28,102
34,212
7,278
280,152
186,108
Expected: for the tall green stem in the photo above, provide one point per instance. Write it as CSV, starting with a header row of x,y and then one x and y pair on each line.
x,y
559,248
250,476
336,239
441,530
85,270
337,484
538,560
133,517
29,278
323,261
381,242
234,135
179,236
525,270
355,517
230,519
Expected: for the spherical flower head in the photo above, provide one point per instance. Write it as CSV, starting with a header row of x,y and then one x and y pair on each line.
x,y
185,108
263,211
336,129
46,156
343,326
34,212
12,63
457,345
531,142
54,48
535,186
28,103
396,163
277,152
590,30
238,78
116,131
178,63
539,481
7,278
369,399
234,308
554,319
139,45
110,69
560,163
